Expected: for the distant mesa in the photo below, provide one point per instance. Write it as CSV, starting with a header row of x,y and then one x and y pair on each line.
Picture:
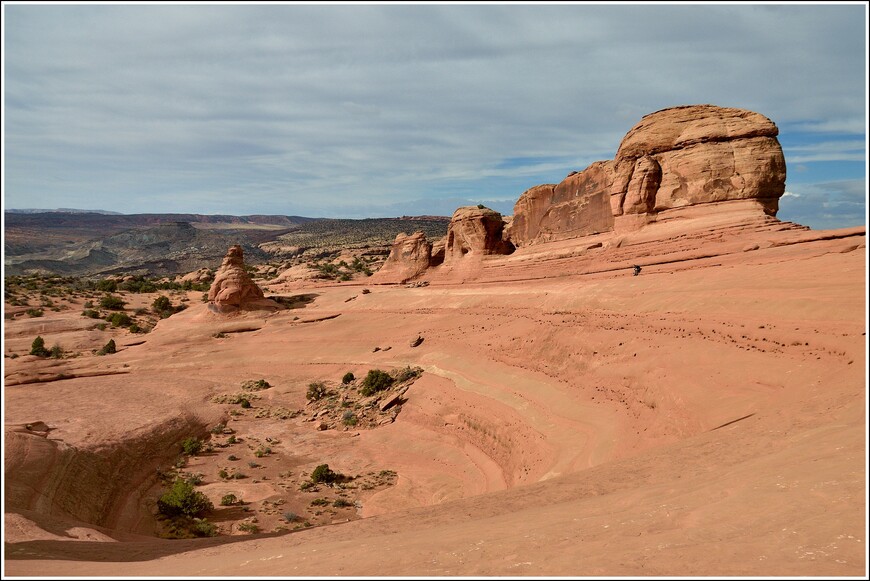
x,y
234,290
687,161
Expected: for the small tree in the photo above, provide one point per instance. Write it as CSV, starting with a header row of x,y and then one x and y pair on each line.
x,y
323,474
191,446
348,377
38,347
182,499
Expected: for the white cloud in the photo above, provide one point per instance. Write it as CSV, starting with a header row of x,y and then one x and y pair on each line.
x,y
279,108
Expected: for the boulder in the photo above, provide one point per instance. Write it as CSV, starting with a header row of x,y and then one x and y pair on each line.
x,y
233,288
476,231
409,257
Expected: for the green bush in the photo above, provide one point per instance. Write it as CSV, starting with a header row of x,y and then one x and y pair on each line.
x,y
341,503
34,312
119,319
249,527
202,528
112,302
108,348
161,303
91,314
375,381
182,499
191,446
316,390
348,377
323,474
320,502
229,500
349,419
56,351
106,285
38,347
244,402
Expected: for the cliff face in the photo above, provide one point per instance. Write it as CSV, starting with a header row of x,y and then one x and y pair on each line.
x,y
674,158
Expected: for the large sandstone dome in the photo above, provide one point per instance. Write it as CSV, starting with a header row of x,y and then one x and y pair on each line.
x,y
673,158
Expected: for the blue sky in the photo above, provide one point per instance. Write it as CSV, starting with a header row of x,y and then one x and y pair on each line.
x,y
382,110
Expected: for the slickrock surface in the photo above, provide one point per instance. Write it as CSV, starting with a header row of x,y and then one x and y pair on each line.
x,y
706,417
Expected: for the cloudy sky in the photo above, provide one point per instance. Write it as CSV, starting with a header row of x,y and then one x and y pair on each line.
x,y
383,110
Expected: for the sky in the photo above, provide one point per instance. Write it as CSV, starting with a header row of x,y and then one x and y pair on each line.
x,y
375,110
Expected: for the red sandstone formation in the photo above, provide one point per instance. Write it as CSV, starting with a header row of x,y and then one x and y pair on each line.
x,y
674,158
476,231
233,288
409,257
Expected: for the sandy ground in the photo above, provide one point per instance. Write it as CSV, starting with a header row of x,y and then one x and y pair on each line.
x,y
707,417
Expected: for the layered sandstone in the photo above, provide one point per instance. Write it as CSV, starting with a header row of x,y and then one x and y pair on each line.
x,y
233,289
409,257
475,231
673,158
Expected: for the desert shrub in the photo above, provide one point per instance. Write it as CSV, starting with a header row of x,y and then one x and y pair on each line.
x,y
376,380
108,348
106,285
232,439
249,527
252,464
349,419
229,500
119,319
239,475
112,302
232,457
34,312
316,390
202,528
260,452
194,479
244,402
56,351
182,499
320,502
223,473
323,474
218,429
306,485
341,503
38,347
191,446
407,373
348,377
91,314
257,385
161,303
291,516
88,304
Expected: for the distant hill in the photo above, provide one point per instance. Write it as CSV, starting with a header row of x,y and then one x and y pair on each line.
x,y
59,210
89,243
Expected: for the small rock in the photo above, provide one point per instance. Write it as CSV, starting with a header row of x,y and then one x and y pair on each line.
x,y
416,341
376,349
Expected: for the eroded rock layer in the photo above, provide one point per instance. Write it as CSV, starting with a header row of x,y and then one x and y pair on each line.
x,y
673,158
233,288
409,257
